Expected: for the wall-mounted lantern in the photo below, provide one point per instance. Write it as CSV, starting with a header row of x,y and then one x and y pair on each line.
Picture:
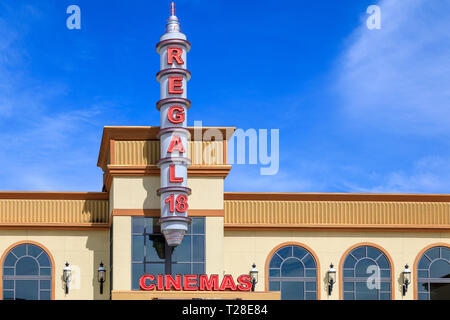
x,y
406,279
159,243
67,276
101,276
254,275
331,278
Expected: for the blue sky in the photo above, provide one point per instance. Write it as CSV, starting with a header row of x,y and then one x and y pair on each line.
x,y
358,110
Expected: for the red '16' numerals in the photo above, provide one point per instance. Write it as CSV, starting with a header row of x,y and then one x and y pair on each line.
x,y
180,204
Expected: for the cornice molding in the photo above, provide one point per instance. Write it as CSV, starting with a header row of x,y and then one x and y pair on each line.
x,y
373,197
53,195
153,170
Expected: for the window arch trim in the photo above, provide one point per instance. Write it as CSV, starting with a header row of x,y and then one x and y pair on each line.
x,y
362,244
416,264
292,243
11,247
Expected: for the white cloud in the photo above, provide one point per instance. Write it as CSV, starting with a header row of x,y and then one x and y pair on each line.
x,y
43,145
398,78
428,175
247,178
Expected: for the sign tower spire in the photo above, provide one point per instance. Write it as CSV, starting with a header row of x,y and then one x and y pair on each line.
x,y
174,135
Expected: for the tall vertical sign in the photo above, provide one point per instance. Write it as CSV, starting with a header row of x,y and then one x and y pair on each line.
x,y
174,135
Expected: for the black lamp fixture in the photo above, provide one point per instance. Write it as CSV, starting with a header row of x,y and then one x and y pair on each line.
x,y
159,243
67,276
101,276
254,275
406,279
331,278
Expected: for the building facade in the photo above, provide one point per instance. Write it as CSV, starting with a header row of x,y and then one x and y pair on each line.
x,y
53,245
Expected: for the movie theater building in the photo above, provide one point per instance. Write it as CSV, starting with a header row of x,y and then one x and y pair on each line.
x,y
163,228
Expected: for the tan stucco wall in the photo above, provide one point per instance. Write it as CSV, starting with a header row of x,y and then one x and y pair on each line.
x,y
242,248
140,193
111,201
84,250
207,193
135,192
214,243
121,253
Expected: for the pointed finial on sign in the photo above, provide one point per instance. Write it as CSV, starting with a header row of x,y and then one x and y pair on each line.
x,y
173,28
172,9
172,23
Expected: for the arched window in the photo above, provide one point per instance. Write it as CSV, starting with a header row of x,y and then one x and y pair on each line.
x,y
366,275
293,271
433,274
27,274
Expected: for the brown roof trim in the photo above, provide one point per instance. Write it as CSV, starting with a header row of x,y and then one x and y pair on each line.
x,y
386,197
54,226
337,227
153,170
143,133
157,212
51,195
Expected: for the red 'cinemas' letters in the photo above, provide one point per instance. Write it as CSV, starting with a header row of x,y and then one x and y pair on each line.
x,y
143,280
160,282
209,285
171,282
245,282
227,283
192,282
